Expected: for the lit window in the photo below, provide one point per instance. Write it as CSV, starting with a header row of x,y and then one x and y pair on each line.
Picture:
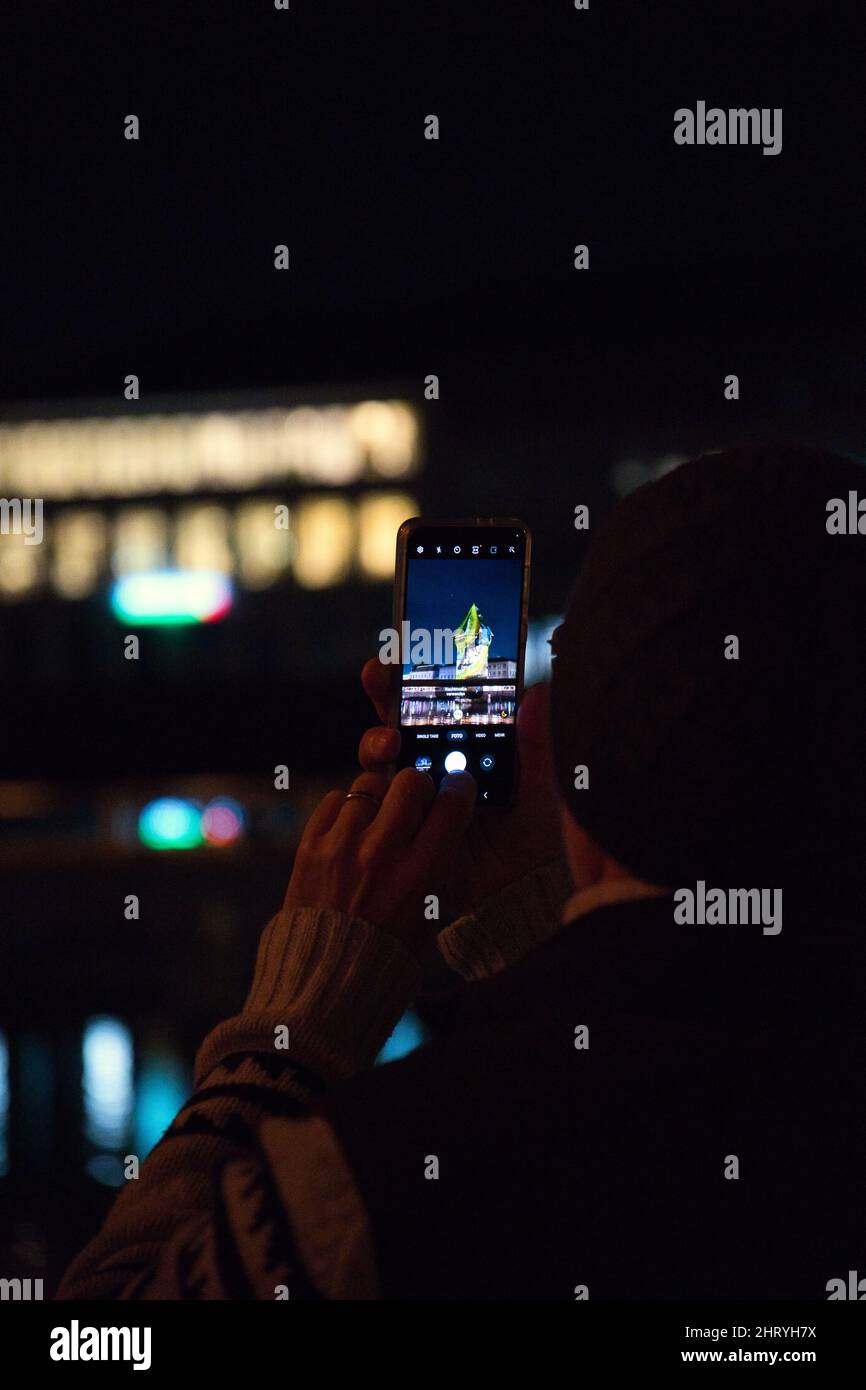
x,y
323,534
201,540
21,566
380,517
140,540
220,446
163,454
264,548
388,433
79,553
319,448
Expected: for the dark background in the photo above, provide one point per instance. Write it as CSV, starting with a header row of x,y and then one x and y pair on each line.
x,y
408,257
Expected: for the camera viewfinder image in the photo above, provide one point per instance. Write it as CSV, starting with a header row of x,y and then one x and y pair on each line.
x,y
471,613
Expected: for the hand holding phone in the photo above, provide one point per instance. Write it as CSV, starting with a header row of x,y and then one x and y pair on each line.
x,y
500,846
380,850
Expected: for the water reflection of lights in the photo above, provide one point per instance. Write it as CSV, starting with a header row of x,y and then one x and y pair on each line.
x,y
163,1086
107,1057
409,1034
126,1110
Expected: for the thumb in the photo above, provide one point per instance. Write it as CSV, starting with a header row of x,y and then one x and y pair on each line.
x,y
446,822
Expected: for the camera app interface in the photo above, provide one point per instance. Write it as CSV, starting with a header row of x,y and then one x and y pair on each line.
x,y
461,654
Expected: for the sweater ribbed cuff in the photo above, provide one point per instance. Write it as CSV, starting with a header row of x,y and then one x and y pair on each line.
x,y
338,984
508,924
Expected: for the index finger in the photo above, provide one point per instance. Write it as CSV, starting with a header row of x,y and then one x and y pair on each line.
x,y
402,811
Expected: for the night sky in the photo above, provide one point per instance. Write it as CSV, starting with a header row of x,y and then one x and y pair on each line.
x,y
306,127
439,593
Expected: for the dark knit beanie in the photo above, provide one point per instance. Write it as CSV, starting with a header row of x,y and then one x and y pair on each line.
x,y
742,772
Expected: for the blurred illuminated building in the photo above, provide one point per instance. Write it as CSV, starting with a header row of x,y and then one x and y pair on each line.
x,y
269,493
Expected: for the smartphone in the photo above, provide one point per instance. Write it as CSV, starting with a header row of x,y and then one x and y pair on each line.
x,y
461,596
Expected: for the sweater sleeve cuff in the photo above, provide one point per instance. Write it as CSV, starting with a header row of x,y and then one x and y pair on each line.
x,y
336,983
508,924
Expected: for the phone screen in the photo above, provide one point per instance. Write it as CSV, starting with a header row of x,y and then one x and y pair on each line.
x,y
463,636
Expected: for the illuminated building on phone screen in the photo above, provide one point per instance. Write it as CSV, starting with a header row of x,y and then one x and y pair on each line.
x,y
472,640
